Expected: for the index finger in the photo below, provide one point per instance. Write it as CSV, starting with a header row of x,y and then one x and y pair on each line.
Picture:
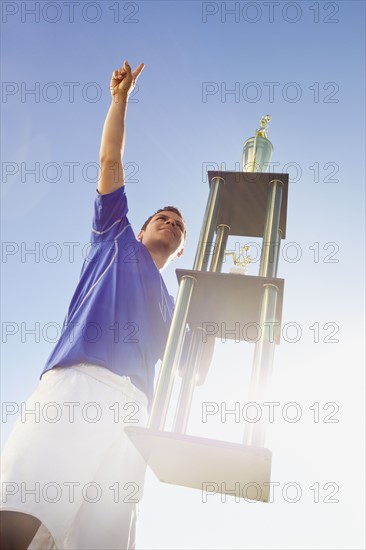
x,y
137,71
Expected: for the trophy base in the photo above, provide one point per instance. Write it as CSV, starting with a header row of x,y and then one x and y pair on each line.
x,y
238,270
209,465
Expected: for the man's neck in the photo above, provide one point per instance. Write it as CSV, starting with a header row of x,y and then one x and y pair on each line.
x,y
160,258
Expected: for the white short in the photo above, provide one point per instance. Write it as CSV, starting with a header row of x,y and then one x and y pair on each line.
x,y
69,463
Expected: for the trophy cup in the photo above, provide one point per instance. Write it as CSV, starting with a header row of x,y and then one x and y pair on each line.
x,y
257,150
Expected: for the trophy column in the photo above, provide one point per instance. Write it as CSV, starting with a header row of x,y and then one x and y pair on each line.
x,y
177,330
254,433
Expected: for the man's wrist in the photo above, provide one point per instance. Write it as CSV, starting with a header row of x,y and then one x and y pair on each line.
x,y
120,100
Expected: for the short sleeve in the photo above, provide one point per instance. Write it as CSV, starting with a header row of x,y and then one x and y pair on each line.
x,y
110,210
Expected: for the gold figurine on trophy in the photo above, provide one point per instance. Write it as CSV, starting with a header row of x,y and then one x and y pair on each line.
x,y
257,150
240,264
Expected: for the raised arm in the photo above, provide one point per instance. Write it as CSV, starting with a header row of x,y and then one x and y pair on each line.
x,y
113,137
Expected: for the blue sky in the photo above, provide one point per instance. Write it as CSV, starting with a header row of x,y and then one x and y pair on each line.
x,y
301,62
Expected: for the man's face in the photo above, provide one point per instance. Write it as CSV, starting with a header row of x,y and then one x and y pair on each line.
x,y
165,231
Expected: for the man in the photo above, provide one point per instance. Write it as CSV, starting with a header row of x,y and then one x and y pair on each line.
x,y
70,476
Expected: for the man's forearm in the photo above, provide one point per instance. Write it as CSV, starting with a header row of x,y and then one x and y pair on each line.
x,y
113,136
111,148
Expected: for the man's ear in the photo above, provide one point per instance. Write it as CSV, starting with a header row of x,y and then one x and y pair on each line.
x,y
140,235
180,253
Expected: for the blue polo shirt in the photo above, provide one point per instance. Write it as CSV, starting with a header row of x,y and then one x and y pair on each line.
x,y
120,313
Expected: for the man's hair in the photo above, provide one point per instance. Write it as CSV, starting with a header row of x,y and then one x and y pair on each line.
x,y
169,209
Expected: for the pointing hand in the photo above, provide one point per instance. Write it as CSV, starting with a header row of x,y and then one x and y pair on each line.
x,y
124,79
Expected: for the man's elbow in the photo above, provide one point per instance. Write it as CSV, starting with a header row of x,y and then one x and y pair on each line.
x,y
111,169
109,160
